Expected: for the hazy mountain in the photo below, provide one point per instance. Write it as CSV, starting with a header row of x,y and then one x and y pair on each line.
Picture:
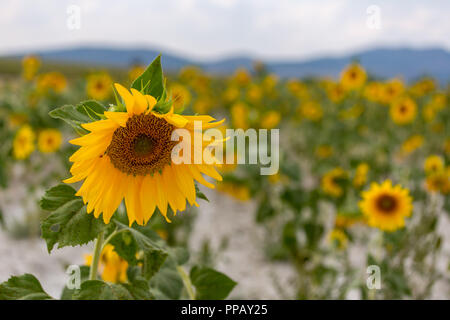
x,y
409,63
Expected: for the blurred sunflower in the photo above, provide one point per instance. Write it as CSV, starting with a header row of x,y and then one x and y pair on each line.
x,y
412,143
386,206
128,156
439,181
353,77
372,91
270,119
99,86
135,72
49,140
433,163
241,77
391,90
333,180
360,178
181,97
338,238
23,144
324,151
238,191
403,111
30,66
240,115
51,81
114,268
311,110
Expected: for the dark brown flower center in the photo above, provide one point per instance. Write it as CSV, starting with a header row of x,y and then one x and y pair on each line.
x,y
386,203
143,146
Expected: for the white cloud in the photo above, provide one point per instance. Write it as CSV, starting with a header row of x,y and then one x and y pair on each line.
x,y
212,28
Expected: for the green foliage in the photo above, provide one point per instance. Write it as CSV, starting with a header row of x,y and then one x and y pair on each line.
x,y
25,287
211,284
133,240
68,224
151,81
100,290
84,112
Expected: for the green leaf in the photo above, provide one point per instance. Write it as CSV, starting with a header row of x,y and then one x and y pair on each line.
x,y
101,290
25,287
211,284
68,224
200,194
57,196
167,284
84,112
128,243
151,81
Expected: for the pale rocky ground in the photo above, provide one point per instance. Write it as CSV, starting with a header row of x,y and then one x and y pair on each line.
x,y
222,218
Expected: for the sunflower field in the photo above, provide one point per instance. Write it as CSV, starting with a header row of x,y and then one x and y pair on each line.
x,y
359,208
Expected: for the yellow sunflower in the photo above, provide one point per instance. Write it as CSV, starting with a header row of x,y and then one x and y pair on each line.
x,y
338,238
240,115
353,77
332,182
180,96
360,178
403,111
386,206
433,163
412,143
49,140
30,65
270,120
439,181
114,268
99,86
128,156
311,110
23,144
391,90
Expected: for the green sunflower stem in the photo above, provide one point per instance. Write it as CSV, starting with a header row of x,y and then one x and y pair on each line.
x,y
96,256
187,282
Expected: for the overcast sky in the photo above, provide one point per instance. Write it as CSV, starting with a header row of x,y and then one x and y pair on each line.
x,y
209,29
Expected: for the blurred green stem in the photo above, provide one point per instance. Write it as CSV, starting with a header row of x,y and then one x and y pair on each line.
x,y
96,257
187,282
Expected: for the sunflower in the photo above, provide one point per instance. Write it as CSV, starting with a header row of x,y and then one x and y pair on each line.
x,y
30,65
332,182
135,72
240,115
353,77
114,267
49,140
241,77
311,110
439,181
324,151
128,156
270,120
412,143
237,191
360,178
99,86
338,238
180,96
51,81
386,206
403,111
23,144
433,163
391,90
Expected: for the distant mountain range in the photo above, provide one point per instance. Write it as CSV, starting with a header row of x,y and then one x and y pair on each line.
x,y
384,62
